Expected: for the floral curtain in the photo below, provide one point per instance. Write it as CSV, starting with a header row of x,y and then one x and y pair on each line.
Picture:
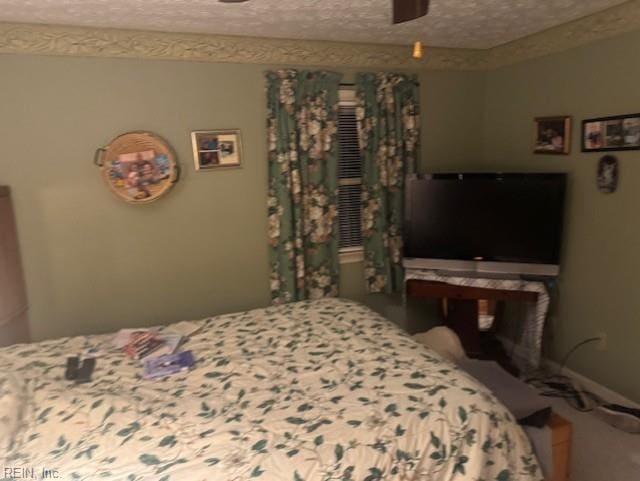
x,y
389,132
302,201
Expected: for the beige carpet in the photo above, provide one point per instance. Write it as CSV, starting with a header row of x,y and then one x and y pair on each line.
x,y
600,452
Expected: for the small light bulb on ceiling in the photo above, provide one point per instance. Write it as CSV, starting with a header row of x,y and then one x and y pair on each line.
x,y
417,49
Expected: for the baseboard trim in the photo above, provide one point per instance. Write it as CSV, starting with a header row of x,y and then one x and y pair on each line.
x,y
588,384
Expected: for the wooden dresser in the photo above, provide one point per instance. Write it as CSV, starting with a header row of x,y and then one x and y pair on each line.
x,y
14,323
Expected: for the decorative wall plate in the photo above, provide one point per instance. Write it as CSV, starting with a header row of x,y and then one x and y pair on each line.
x,y
138,167
608,174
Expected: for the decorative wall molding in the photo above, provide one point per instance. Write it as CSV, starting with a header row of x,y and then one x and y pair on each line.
x,y
89,42
35,39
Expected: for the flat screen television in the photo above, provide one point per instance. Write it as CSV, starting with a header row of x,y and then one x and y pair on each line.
x,y
486,222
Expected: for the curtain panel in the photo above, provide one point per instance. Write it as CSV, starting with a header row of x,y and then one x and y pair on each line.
x,y
389,135
302,115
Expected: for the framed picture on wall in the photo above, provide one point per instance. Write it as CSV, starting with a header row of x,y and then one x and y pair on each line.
x,y
214,149
553,135
621,132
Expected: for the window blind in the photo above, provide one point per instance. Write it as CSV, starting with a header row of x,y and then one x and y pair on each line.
x,y
349,173
349,161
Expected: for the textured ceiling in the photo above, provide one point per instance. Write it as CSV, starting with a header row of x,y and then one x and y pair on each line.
x,y
451,23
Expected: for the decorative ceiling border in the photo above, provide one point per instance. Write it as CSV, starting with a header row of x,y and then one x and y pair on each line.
x,y
17,38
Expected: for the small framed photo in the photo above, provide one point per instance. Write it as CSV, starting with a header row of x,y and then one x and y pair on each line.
x,y
621,132
214,149
553,135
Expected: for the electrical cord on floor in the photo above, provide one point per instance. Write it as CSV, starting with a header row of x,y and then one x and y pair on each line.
x,y
560,386
563,387
574,349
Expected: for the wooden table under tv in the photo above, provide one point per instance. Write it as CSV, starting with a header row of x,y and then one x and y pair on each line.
x,y
458,307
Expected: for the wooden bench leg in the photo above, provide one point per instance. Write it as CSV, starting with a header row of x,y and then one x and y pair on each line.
x,y
562,435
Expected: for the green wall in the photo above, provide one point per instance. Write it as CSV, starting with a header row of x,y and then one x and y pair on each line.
x,y
94,263
601,261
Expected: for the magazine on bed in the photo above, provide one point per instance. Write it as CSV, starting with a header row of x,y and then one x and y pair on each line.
x,y
147,343
166,365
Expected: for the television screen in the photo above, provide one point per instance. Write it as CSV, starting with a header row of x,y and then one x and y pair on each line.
x,y
489,217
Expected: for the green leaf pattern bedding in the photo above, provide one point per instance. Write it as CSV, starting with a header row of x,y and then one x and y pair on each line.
x,y
321,390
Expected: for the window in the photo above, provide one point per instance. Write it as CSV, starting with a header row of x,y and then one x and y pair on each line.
x,y
349,179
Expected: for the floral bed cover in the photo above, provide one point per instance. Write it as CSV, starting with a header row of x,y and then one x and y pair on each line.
x,y
320,390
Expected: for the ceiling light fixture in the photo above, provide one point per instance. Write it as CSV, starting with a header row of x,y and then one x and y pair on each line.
x,y
417,49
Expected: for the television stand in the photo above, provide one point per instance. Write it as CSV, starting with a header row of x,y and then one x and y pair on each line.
x,y
458,302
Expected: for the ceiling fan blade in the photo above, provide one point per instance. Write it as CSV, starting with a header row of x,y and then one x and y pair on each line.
x,y
405,10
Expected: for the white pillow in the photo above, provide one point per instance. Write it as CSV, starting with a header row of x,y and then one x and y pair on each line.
x,y
444,341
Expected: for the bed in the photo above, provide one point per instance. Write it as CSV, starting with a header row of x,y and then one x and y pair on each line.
x,y
318,390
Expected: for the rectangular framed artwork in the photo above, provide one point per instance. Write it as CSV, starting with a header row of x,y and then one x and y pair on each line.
x,y
621,132
214,149
553,135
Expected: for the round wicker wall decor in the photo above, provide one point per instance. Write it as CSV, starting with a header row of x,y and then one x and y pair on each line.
x,y
138,167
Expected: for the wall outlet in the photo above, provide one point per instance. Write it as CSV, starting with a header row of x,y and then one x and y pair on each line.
x,y
601,345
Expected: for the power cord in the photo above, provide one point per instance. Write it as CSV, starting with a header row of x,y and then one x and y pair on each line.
x,y
559,386
563,387
574,349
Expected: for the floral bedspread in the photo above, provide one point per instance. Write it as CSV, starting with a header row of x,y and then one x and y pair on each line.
x,y
323,390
